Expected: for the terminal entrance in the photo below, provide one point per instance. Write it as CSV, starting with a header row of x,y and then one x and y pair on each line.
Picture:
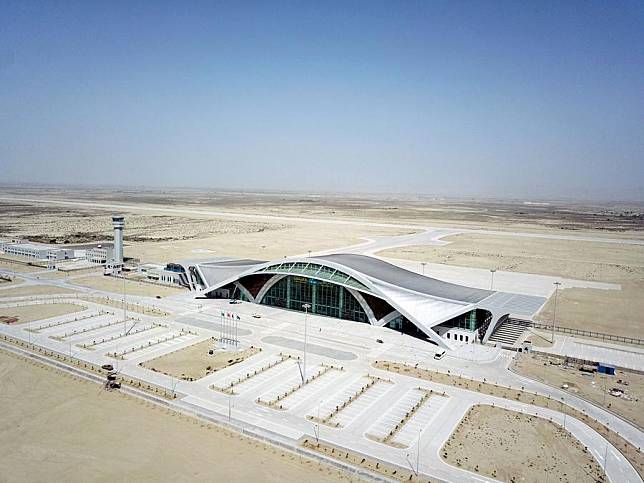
x,y
404,326
325,298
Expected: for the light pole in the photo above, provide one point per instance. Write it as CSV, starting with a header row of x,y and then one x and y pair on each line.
x,y
317,435
423,264
124,308
306,308
554,315
564,412
309,254
418,454
492,270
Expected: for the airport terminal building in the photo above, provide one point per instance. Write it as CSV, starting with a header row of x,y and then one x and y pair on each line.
x,y
364,290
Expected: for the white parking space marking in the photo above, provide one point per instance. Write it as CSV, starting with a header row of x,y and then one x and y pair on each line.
x,y
71,324
387,423
359,405
254,384
175,339
291,382
223,379
325,380
420,420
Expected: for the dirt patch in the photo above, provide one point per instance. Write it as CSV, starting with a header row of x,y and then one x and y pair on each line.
x,y
30,313
75,432
261,245
60,274
166,237
511,446
34,290
539,340
129,307
57,225
563,258
594,387
194,362
8,280
617,312
610,311
388,470
115,285
615,218
630,452
16,266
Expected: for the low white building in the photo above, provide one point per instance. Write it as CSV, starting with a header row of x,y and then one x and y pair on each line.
x,y
99,254
60,254
171,274
37,251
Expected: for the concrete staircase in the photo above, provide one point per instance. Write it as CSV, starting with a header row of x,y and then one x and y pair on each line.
x,y
508,333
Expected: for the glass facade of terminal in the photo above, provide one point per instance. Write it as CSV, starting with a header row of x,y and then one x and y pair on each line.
x,y
325,298
317,271
471,320
404,326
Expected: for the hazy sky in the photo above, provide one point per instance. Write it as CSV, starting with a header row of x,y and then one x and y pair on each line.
x,y
464,98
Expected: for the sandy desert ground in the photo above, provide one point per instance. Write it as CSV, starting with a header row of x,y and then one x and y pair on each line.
x,y
166,238
291,240
29,313
524,450
194,362
67,428
11,280
594,387
15,266
611,311
29,290
613,218
60,274
115,285
164,235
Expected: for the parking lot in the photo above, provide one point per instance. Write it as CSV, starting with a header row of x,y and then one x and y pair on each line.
x,y
346,401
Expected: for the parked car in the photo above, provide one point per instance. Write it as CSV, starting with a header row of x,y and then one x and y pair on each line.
x,y
439,355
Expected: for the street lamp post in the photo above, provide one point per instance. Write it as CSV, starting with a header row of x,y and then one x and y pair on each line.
x,y
563,410
492,270
317,435
124,307
554,315
418,453
306,308
423,264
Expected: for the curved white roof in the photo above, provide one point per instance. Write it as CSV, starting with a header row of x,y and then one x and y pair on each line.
x,y
425,301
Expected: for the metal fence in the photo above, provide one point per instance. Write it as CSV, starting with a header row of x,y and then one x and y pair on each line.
x,y
580,332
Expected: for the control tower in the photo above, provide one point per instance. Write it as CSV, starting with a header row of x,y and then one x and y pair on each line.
x,y
118,222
